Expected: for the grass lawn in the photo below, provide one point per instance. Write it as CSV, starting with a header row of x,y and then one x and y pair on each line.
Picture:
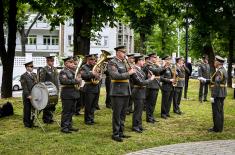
x,y
192,126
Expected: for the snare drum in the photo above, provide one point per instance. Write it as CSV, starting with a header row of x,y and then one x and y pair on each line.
x,y
44,94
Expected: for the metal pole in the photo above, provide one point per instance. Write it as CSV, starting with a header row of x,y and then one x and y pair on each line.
x,y
186,52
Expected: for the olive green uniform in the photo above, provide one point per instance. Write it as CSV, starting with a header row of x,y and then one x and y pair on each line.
x,y
49,74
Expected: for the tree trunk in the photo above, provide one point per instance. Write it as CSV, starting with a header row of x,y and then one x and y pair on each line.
x,y
142,43
208,50
2,40
82,30
8,57
230,61
23,40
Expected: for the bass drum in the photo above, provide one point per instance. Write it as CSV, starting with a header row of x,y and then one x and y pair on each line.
x,y
44,94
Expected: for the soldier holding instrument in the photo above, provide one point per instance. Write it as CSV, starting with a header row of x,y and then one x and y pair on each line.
x,y
91,90
167,88
49,73
181,69
69,95
119,91
140,81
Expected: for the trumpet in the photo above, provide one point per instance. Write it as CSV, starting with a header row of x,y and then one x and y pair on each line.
x,y
80,58
100,66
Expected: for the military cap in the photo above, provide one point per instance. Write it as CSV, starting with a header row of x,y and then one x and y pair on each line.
x,y
139,57
219,58
178,58
49,57
120,47
70,58
92,56
166,57
28,63
152,54
130,55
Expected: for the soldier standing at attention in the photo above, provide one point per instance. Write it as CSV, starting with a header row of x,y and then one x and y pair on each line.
x,y
91,91
28,80
119,91
181,69
167,88
152,87
68,94
138,93
218,93
204,72
131,61
49,73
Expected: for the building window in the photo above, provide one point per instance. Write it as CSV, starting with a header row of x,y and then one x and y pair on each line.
x,y
70,41
125,40
32,40
55,40
120,28
119,39
106,40
46,40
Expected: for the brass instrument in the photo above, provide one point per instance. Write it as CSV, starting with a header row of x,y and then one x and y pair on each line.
x,y
100,66
80,58
174,75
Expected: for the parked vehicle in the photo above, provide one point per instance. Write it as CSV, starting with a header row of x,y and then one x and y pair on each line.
x,y
16,85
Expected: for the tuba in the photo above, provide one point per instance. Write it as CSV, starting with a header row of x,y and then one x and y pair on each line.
x,y
80,58
100,66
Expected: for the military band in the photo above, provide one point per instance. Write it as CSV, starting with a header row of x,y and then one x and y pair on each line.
x,y
147,76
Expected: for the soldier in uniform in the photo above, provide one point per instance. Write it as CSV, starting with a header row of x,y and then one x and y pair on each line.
x,y
181,69
68,94
131,61
204,72
49,73
91,91
152,87
28,80
167,88
218,93
138,93
119,91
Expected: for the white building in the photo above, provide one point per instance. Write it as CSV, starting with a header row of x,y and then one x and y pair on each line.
x,y
43,42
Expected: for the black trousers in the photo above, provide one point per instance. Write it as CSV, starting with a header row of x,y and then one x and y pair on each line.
x,y
27,109
177,98
186,88
218,113
68,106
48,113
91,101
167,97
119,106
203,91
151,100
107,87
137,114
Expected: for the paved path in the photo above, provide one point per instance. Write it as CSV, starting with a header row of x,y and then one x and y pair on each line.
x,y
218,147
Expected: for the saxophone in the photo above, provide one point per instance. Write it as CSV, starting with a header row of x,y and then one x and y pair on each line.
x,y
80,58
100,66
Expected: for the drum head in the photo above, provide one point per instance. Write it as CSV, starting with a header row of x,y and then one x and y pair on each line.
x,y
39,95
